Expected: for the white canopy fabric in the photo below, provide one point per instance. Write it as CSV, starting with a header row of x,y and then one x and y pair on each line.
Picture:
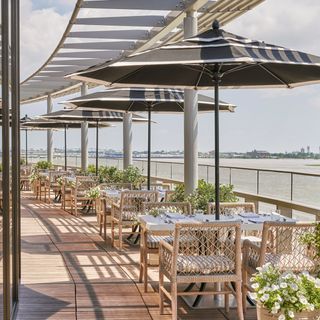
x,y
109,29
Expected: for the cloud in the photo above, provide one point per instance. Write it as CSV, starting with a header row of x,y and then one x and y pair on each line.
x,y
41,30
294,24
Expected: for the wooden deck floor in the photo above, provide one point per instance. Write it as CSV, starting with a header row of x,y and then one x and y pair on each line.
x,y
69,273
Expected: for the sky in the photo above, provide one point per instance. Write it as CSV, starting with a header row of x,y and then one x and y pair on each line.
x,y
277,120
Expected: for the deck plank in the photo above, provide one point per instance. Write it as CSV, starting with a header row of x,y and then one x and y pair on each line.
x,y
68,272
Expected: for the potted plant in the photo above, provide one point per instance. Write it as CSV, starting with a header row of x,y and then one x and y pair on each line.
x,y
204,194
285,295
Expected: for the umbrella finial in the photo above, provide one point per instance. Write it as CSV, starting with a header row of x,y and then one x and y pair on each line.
x,y
215,25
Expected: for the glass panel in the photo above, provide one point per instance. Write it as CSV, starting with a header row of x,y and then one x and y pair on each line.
x,y
275,184
244,180
306,189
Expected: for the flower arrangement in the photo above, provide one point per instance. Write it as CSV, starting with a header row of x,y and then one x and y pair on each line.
x,y
285,295
93,193
60,181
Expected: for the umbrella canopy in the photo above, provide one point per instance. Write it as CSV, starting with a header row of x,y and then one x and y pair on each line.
x,y
42,124
138,99
89,115
150,100
213,58
239,61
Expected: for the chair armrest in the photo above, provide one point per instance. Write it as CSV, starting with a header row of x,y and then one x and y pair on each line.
x,y
115,210
251,252
165,257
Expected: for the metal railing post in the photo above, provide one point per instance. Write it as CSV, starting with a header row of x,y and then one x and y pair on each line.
x,y
258,181
291,186
230,176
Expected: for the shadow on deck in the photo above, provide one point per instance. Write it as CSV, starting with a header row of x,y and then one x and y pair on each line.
x,y
68,272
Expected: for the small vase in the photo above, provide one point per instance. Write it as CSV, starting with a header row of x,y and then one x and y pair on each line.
x,y
264,314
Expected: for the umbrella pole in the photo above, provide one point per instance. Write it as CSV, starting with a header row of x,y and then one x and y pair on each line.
x,y
216,80
149,147
26,146
97,148
65,148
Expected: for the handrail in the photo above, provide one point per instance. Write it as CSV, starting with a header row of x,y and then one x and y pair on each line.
x,y
240,168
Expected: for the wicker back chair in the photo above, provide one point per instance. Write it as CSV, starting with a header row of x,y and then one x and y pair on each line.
x,y
168,195
201,253
103,205
150,241
66,188
227,208
124,213
54,185
282,246
78,194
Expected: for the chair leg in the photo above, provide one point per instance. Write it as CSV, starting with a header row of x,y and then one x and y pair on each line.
x,y
244,289
145,270
100,224
226,298
161,294
239,300
141,264
174,301
120,235
105,227
112,233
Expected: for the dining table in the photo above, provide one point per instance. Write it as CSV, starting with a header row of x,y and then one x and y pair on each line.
x,y
251,222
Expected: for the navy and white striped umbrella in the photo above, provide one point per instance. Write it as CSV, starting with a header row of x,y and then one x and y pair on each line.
x,y
89,115
211,59
139,100
192,63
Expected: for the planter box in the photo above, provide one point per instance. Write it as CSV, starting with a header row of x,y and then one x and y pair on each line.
x,y
264,314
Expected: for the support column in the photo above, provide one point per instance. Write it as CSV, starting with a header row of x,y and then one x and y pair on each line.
x,y
190,118
49,132
127,140
84,135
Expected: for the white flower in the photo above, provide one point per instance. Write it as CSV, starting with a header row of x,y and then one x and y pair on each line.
x,y
282,317
274,310
291,314
255,286
294,286
311,307
275,287
283,285
303,300
317,283
253,295
265,297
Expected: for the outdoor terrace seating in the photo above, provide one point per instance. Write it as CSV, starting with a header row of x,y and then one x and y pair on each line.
x,y
79,197
150,240
104,204
282,246
205,253
125,213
